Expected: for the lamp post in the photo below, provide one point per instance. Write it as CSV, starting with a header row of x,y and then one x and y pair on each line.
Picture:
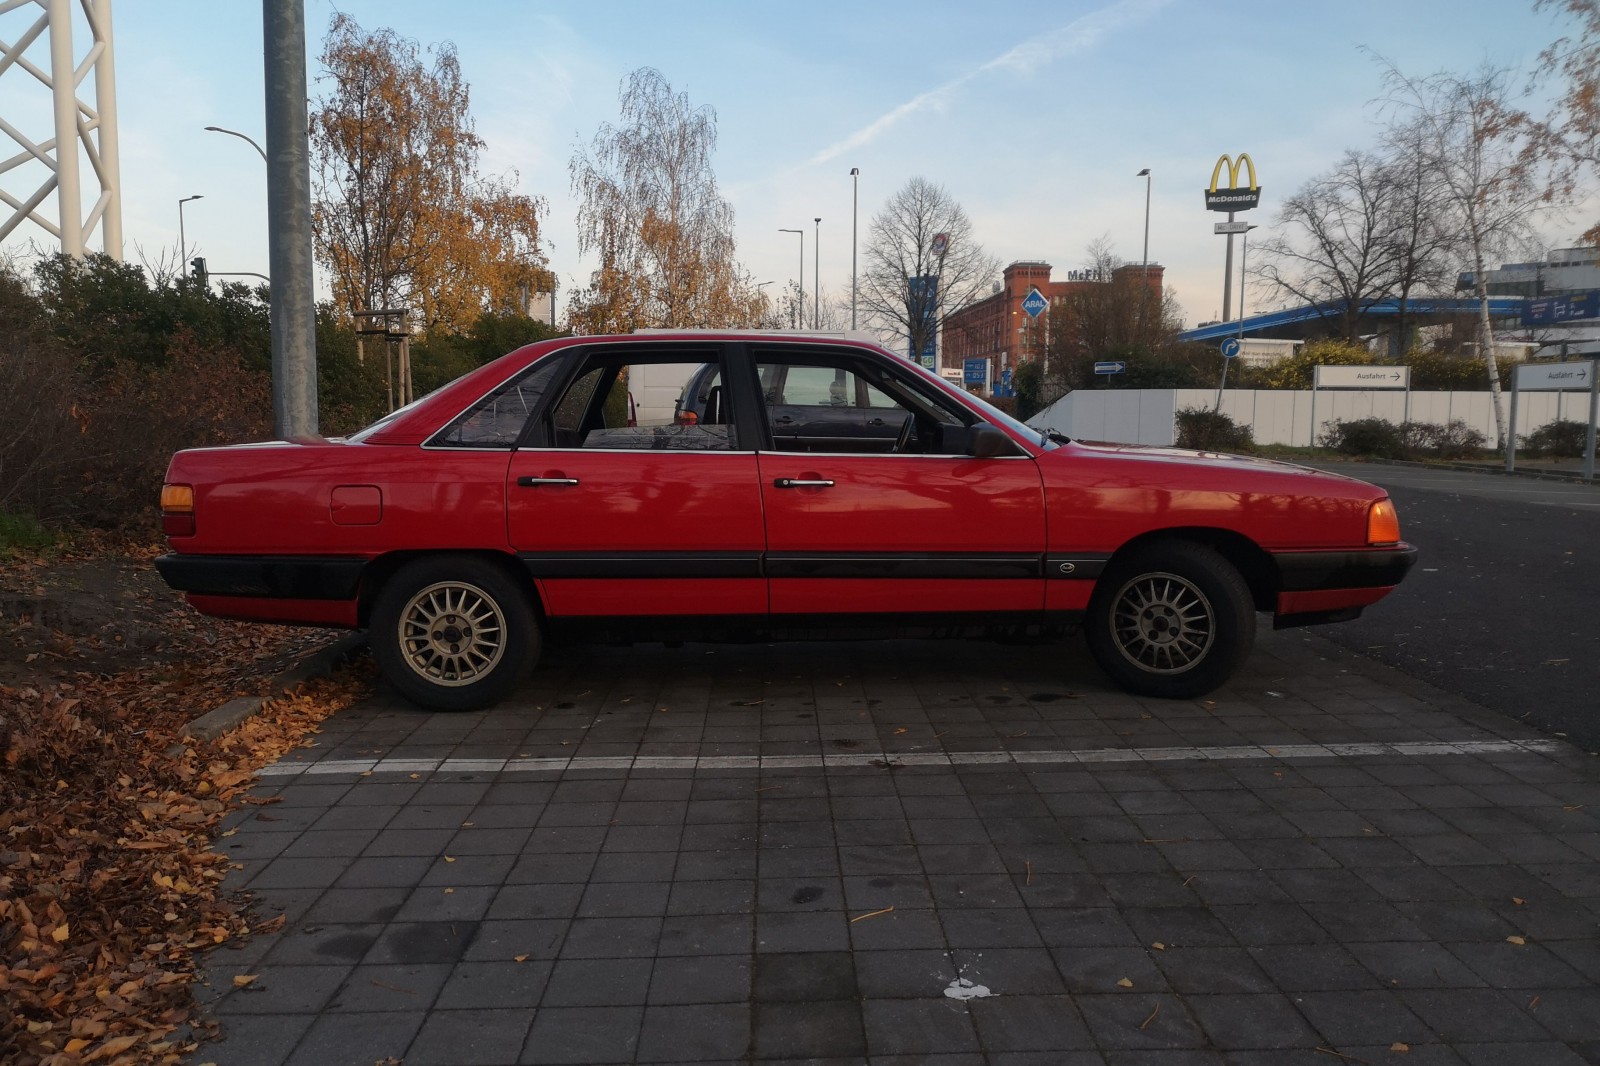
x,y
1145,174
816,278
1244,246
242,137
855,201
799,317
183,246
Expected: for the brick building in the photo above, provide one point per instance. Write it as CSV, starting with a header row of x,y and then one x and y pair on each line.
x,y
998,329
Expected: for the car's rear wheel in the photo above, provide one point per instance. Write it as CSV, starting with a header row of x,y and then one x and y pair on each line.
x,y
454,633
1174,620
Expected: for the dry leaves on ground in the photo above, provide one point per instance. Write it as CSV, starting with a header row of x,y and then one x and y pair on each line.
x,y
109,888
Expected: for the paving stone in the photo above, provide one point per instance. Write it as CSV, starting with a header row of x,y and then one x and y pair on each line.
x,y
356,1038
816,1029
920,1027
1245,1022
487,985
470,1038
562,1035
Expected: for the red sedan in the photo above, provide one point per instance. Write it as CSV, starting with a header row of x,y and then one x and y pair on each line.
x,y
742,486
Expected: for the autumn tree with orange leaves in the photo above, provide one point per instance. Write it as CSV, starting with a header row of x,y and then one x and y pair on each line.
x,y
402,216
1568,138
652,214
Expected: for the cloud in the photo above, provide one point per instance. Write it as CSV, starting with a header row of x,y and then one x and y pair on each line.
x,y
1038,51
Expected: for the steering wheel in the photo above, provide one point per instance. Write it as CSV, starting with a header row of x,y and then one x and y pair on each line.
x,y
903,442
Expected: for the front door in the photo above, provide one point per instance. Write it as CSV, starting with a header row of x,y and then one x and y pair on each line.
x,y
621,506
907,526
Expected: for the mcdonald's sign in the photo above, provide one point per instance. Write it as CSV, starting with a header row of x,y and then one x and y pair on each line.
x,y
1233,196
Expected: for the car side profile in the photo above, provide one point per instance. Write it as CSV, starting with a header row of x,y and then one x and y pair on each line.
x,y
801,486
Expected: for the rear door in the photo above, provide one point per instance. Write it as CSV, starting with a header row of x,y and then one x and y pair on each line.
x,y
619,509
916,527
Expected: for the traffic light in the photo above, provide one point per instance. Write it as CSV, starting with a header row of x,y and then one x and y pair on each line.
x,y
197,269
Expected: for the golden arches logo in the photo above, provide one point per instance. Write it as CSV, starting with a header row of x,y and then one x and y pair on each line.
x,y
1228,161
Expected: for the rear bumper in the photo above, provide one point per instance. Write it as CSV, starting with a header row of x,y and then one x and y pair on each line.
x,y
280,577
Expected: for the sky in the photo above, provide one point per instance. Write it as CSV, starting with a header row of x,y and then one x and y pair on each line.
x,y
1035,118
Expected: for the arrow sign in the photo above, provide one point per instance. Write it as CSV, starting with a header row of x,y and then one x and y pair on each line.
x,y
1230,347
1362,377
1035,304
1111,367
1544,376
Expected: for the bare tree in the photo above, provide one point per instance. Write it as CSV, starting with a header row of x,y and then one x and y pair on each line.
x,y
652,213
1468,134
1568,138
1118,315
901,246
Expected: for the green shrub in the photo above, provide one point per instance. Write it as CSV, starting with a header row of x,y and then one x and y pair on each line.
x,y
1212,431
20,531
1376,438
1373,438
1561,438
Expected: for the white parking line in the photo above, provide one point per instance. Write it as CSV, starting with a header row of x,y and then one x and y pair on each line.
x,y
1279,752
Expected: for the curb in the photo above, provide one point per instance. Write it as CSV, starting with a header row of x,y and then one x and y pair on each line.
x,y
1471,468
318,664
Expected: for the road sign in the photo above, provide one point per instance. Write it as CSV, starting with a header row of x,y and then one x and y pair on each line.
x,y
1362,377
1231,227
1535,376
1229,347
1035,304
1111,367
1554,310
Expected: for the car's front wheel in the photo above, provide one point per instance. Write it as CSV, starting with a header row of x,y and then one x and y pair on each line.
x,y
454,633
1174,620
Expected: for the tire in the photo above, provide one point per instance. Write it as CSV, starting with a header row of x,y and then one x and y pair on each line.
x,y
1174,620
454,633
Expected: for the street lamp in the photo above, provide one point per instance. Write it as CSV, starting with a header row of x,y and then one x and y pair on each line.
x,y
800,280
1244,247
855,201
1145,174
242,137
816,278
183,246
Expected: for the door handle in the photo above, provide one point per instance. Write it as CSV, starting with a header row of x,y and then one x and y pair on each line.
x,y
801,483
531,482
784,421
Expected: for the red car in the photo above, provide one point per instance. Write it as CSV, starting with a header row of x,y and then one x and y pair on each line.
x,y
824,487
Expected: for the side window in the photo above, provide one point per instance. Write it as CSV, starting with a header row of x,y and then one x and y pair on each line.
x,y
845,408
497,420
643,404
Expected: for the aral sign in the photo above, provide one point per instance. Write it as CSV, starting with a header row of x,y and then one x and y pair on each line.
x,y
1362,377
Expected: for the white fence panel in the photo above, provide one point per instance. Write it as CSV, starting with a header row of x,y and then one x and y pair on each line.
x,y
1284,416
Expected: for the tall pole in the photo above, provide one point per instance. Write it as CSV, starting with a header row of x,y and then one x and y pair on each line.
x,y
799,316
816,278
294,308
1227,278
183,246
1145,174
63,87
855,202
105,98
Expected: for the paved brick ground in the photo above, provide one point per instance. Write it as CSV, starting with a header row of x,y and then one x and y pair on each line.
x,y
690,856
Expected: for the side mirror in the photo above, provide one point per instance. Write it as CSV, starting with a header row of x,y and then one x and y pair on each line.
x,y
986,441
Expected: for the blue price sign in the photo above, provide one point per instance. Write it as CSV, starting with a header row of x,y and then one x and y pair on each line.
x,y
975,372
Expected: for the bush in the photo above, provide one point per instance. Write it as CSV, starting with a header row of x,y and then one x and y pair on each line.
x,y
1212,431
1453,440
1375,438
1561,438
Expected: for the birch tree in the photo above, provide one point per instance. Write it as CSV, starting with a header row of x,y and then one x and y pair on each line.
x,y
402,216
652,214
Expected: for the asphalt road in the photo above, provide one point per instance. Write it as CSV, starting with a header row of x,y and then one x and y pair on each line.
x,y
1502,605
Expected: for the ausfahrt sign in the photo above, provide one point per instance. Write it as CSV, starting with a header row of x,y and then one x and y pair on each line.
x,y
1362,377
1560,376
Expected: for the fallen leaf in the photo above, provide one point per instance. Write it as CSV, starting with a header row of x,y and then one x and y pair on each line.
x,y
243,979
1518,900
519,958
1399,1047
1159,946
449,858
870,914
1517,940
1124,983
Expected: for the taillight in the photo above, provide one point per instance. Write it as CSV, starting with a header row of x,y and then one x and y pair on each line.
x,y
177,510
687,418
1383,525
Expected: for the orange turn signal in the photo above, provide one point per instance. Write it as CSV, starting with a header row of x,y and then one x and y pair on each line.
x,y
177,499
1383,525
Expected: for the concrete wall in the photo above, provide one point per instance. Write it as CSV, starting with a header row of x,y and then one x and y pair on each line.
x,y
1284,416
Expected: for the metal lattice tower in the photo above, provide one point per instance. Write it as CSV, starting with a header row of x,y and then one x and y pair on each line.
x,y
81,131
